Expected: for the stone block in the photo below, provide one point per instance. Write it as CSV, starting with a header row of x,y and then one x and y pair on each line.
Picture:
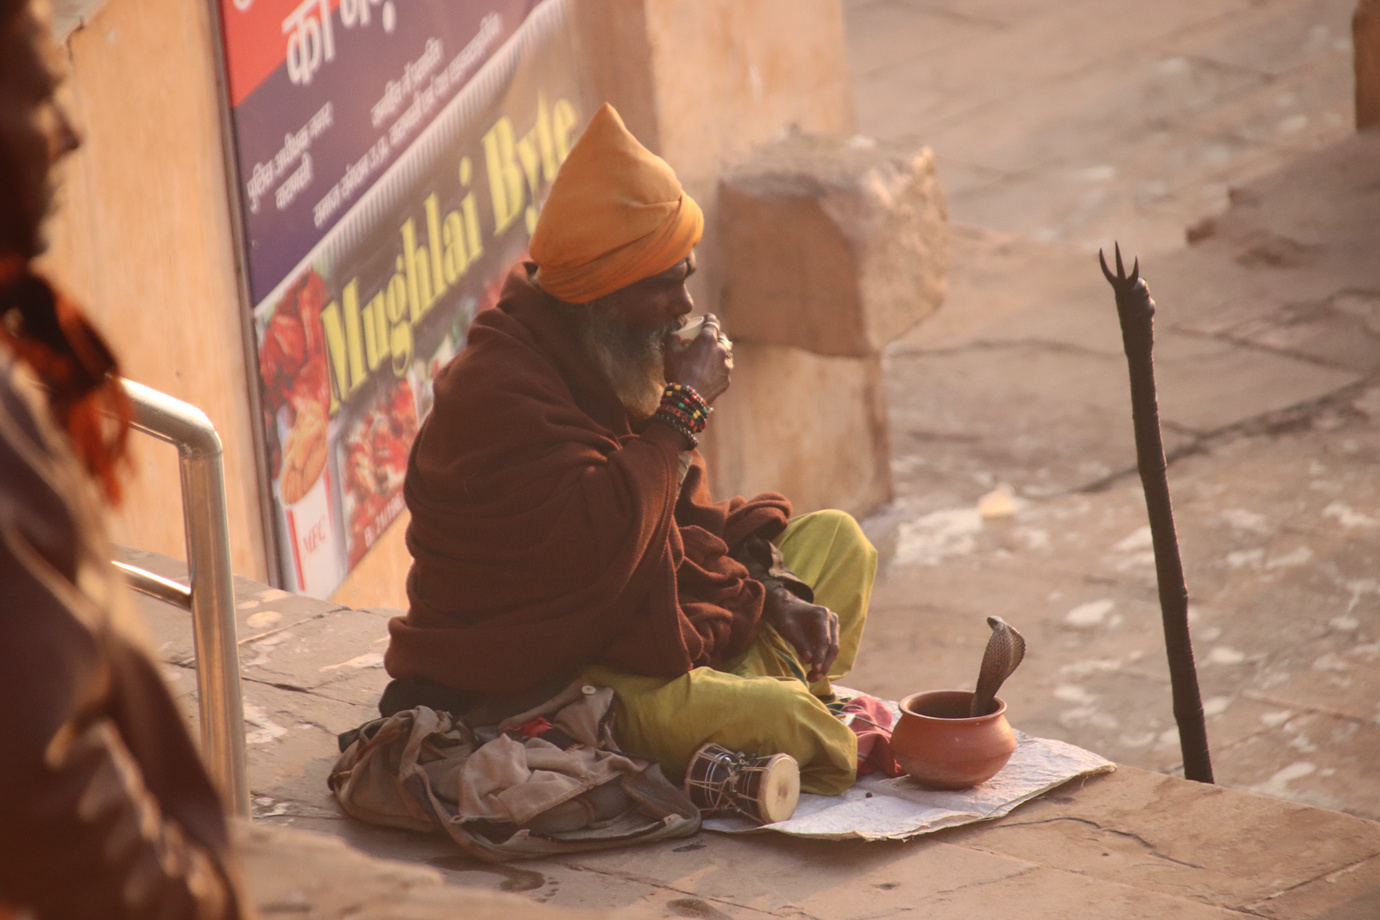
x,y
1365,33
833,246
811,427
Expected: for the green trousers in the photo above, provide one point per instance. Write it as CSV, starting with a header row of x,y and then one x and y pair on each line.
x,y
761,703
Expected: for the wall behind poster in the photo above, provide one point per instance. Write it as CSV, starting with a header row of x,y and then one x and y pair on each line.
x,y
390,156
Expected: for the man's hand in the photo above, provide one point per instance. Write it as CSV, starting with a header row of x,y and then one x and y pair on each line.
x,y
706,363
811,629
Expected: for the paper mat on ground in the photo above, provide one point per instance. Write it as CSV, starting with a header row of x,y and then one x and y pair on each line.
x,y
878,808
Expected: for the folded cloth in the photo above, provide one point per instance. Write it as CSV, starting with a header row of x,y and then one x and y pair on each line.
x,y
872,720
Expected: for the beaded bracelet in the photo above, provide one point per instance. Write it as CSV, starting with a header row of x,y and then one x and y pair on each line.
x,y
684,410
683,417
690,442
682,401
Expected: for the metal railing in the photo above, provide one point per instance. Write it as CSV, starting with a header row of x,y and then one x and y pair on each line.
x,y
211,596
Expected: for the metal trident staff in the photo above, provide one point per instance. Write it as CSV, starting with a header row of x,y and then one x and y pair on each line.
x,y
1136,311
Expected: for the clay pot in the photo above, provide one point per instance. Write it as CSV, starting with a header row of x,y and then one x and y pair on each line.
x,y
939,744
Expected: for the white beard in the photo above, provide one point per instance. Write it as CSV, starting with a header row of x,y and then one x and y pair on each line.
x,y
630,358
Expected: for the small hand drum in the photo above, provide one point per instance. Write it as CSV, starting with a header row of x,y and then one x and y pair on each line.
x,y
765,789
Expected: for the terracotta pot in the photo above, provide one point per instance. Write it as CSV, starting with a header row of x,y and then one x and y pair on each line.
x,y
939,744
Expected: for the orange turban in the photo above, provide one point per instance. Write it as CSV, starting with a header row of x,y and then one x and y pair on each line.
x,y
616,214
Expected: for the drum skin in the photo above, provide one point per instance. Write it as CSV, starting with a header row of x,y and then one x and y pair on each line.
x,y
769,793
937,743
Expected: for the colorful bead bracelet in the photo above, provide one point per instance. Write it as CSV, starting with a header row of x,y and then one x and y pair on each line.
x,y
684,410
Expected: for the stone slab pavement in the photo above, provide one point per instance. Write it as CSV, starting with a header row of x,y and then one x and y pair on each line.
x,y
1079,121
1134,844
1063,127
1057,127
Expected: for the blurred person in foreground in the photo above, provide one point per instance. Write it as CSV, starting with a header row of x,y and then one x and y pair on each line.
x,y
107,810
562,525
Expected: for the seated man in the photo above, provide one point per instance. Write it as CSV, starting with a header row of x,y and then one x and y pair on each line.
x,y
562,524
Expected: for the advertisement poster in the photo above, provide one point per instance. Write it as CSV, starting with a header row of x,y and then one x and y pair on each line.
x,y
390,156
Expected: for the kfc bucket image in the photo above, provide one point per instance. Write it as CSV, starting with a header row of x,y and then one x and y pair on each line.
x,y
317,565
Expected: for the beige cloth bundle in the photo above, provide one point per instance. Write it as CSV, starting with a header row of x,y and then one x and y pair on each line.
x,y
503,796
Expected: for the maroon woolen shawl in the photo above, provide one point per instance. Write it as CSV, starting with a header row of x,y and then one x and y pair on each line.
x,y
546,534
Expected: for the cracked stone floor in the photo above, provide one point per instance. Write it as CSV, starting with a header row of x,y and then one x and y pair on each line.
x,y
1267,350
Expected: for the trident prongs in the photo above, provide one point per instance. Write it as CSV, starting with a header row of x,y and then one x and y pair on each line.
x,y
1119,280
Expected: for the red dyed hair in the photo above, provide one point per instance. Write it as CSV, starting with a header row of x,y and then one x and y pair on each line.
x,y
72,361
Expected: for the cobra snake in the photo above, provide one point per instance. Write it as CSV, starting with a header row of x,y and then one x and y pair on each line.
x,y
1005,649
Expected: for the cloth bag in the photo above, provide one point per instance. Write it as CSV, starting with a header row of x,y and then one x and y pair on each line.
x,y
552,783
